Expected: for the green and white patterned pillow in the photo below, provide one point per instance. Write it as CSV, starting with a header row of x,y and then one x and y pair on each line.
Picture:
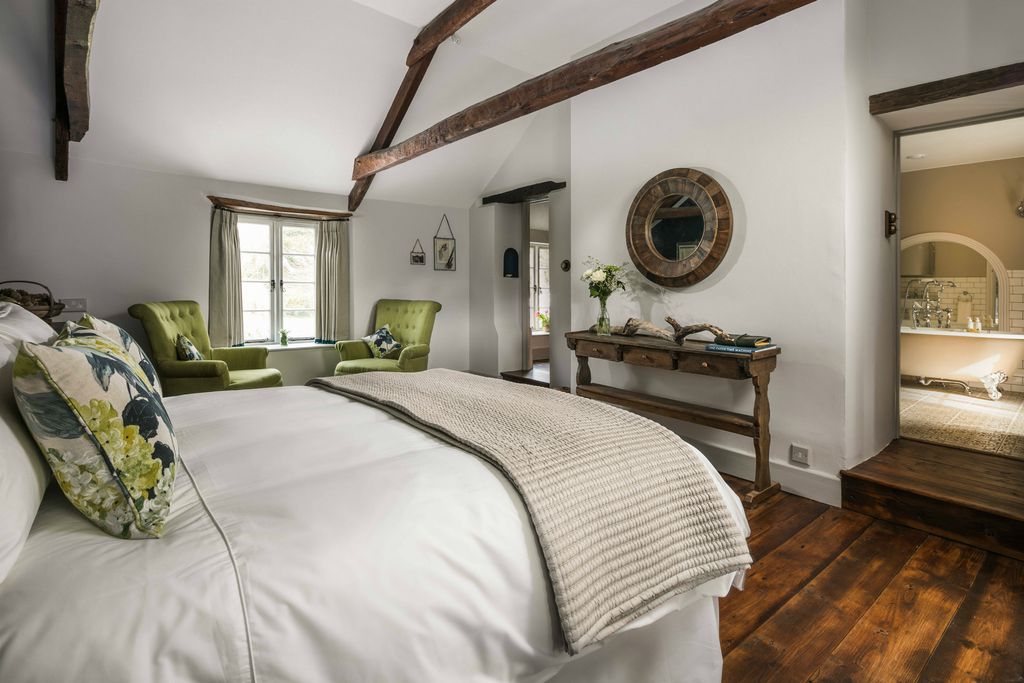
x,y
103,430
383,344
116,334
186,349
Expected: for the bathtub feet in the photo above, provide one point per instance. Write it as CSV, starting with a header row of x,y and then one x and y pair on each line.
x,y
992,381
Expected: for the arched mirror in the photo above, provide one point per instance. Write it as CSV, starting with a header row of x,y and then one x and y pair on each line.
x,y
948,280
679,227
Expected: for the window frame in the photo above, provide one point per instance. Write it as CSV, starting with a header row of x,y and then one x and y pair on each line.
x,y
535,286
276,225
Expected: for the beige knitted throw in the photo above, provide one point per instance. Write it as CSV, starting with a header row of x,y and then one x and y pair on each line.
x,y
625,513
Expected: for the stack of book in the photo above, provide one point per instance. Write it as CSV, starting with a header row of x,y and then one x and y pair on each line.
x,y
729,348
744,343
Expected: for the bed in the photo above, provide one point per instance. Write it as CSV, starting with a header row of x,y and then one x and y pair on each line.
x,y
317,538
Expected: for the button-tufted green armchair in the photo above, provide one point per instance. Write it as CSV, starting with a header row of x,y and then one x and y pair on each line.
x,y
225,368
410,322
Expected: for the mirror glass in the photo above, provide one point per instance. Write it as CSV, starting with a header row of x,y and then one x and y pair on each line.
x,y
677,227
944,284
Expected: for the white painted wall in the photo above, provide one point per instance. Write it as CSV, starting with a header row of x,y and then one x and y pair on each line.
x,y
496,333
916,41
871,289
763,112
542,154
562,283
383,234
117,236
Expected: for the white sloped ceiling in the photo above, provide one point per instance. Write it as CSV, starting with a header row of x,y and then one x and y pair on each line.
x,y
287,94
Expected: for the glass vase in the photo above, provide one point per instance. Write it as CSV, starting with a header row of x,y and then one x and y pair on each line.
x,y
604,325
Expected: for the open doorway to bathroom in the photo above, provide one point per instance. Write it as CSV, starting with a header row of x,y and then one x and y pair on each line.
x,y
961,285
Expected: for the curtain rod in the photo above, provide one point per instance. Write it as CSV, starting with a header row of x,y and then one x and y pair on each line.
x,y
275,210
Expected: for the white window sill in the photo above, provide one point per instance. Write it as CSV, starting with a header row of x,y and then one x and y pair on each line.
x,y
294,346
537,333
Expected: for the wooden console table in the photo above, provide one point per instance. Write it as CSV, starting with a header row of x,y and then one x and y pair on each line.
x,y
690,357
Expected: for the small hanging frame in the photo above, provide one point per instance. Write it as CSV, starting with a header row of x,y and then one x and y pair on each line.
x,y
444,247
417,257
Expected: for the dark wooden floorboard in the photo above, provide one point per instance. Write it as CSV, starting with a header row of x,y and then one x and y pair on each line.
x,y
778,576
985,641
802,633
841,596
774,522
896,637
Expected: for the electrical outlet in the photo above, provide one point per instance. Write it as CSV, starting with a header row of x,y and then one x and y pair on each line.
x,y
800,455
75,305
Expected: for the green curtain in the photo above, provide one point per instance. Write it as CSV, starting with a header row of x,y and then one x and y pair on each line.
x,y
332,281
225,319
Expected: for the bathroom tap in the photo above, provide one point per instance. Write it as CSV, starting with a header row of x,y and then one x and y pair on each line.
x,y
906,298
931,308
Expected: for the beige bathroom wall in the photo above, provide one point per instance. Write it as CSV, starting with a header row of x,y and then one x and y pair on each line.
x,y
965,358
977,200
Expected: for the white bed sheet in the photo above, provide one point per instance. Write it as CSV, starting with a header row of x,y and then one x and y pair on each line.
x,y
365,551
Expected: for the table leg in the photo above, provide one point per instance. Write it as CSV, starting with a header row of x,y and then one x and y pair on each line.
x,y
764,487
582,370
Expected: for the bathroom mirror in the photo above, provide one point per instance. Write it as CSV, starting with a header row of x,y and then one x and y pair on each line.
x,y
948,285
679,227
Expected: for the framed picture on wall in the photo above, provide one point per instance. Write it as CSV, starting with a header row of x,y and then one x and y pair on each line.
x,y
417,257
444,247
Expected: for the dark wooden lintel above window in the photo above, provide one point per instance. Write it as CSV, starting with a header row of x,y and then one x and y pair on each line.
x,y
245,206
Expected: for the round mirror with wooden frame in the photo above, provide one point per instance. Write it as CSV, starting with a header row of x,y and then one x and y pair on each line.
x,y
679,227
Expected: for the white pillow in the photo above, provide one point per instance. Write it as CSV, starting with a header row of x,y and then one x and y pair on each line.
x,y
23,473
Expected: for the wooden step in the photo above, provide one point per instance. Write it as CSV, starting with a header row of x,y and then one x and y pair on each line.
x,y
532,377
974,498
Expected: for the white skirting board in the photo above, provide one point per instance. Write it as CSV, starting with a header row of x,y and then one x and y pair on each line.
x,y
808,483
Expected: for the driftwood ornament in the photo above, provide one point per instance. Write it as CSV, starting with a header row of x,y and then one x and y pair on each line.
x,y
678,334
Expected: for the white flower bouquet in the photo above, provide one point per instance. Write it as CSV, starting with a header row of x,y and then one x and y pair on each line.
x,y
602,281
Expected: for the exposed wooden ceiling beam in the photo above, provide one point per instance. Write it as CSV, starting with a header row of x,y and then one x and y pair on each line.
x,y
393,119
976,83
440,28
625,58
444,26
522,194
73,22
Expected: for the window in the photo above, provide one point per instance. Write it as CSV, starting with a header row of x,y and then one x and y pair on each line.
x,y
278,277
540,286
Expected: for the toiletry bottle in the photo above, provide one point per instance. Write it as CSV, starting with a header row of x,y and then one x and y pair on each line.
x,y
970,324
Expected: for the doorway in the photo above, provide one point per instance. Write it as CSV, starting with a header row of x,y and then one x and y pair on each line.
x,y
961,285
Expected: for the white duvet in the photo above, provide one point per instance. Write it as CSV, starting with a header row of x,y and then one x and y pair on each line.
x,y
313,538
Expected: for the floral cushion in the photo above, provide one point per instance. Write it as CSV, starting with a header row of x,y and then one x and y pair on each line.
x,y
186,349
382,344
103,430
115,334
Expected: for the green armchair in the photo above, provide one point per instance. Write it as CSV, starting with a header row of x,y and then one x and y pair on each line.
x,y
410,322
225,368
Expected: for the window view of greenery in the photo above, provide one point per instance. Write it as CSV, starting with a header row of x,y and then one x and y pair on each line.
x,y
540,286
298,270
278,278
254,243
